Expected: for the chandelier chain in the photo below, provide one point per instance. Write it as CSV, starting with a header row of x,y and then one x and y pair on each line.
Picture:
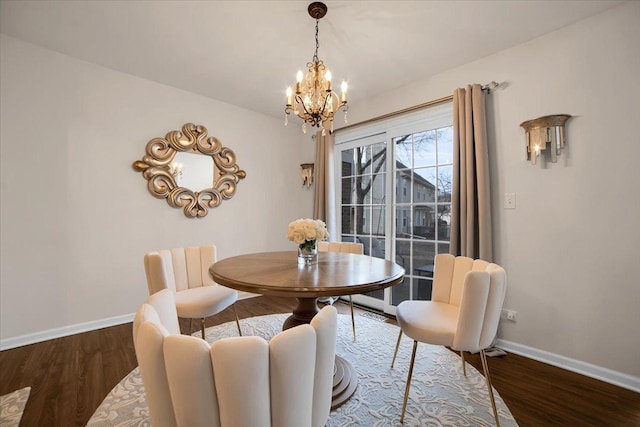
x,y
315,55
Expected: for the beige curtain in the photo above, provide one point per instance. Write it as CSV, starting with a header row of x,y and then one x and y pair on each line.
x,y
470,198
324,206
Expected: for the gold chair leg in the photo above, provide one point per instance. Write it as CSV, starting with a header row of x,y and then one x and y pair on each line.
x,y
485,369
464,366
237,320
353,321
202,324
406,391
395,353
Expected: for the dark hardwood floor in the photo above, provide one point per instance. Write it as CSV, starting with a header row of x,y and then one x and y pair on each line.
x,y
69,377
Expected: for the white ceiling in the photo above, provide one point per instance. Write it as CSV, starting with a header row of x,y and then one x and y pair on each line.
x,y
247,52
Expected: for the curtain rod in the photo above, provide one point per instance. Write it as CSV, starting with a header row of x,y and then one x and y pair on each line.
x,y
486,87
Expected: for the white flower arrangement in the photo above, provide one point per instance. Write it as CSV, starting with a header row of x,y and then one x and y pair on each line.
x,y
306,232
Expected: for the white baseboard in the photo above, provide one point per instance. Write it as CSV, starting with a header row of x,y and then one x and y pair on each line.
x,y
49,334
604,374
64,331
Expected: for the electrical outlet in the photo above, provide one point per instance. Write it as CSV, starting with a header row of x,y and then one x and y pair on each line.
x,y
509,200
510,315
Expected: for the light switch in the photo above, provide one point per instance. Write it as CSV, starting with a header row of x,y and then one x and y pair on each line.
x,y
509,200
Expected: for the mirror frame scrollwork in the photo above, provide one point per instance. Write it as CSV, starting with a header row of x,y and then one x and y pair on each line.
x,y
160,152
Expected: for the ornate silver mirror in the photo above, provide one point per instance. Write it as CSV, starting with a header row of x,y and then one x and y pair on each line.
x,y
189,169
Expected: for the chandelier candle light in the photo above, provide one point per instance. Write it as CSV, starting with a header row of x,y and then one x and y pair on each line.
x,y
314,101
306,233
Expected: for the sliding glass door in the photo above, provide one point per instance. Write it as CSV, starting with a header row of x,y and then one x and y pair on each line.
x,y
394,188
363,181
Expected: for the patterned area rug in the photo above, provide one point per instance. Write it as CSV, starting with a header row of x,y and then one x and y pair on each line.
x,y
440,394
11,407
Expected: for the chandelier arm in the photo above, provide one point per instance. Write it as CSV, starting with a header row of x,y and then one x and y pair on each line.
x,y
299,103
304,107
334,97
327,98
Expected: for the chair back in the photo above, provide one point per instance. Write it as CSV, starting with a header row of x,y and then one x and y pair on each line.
x,y
179,269
149,335
478,289
345,247
237,381
325,325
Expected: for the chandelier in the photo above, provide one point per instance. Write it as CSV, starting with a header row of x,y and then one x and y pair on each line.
x,y
314,101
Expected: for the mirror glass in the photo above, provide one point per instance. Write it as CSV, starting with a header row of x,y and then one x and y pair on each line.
x,y
192,170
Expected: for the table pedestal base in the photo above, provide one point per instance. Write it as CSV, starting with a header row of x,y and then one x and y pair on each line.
x,y
345,379
345,382
306,309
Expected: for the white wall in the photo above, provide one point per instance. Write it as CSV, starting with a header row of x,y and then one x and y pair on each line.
x,y
571,246
76,219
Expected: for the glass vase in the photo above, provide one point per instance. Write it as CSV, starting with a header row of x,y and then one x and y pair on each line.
x,y
308,252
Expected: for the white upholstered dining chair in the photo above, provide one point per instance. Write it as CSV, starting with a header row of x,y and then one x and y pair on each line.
x,y
185,271
463,313
346,247
237,381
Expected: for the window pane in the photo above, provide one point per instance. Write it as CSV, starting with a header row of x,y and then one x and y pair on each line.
x,y
444,222
363,190
425,270
378,189
363,224
443,248
445,145
365,160
348,195
378,158
424,149
347,220
403,148
372,246
445,181
423,254
403,186
377,220
403,254
347,238
348,167
403,221
422,289
424,222
378,246
366,243
424,189
360,159
400,292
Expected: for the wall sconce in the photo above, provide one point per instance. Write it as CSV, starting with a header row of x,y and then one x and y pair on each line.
x,y
542,131
306,174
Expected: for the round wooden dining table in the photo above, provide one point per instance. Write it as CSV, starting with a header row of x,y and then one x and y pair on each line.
x,y
334,274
